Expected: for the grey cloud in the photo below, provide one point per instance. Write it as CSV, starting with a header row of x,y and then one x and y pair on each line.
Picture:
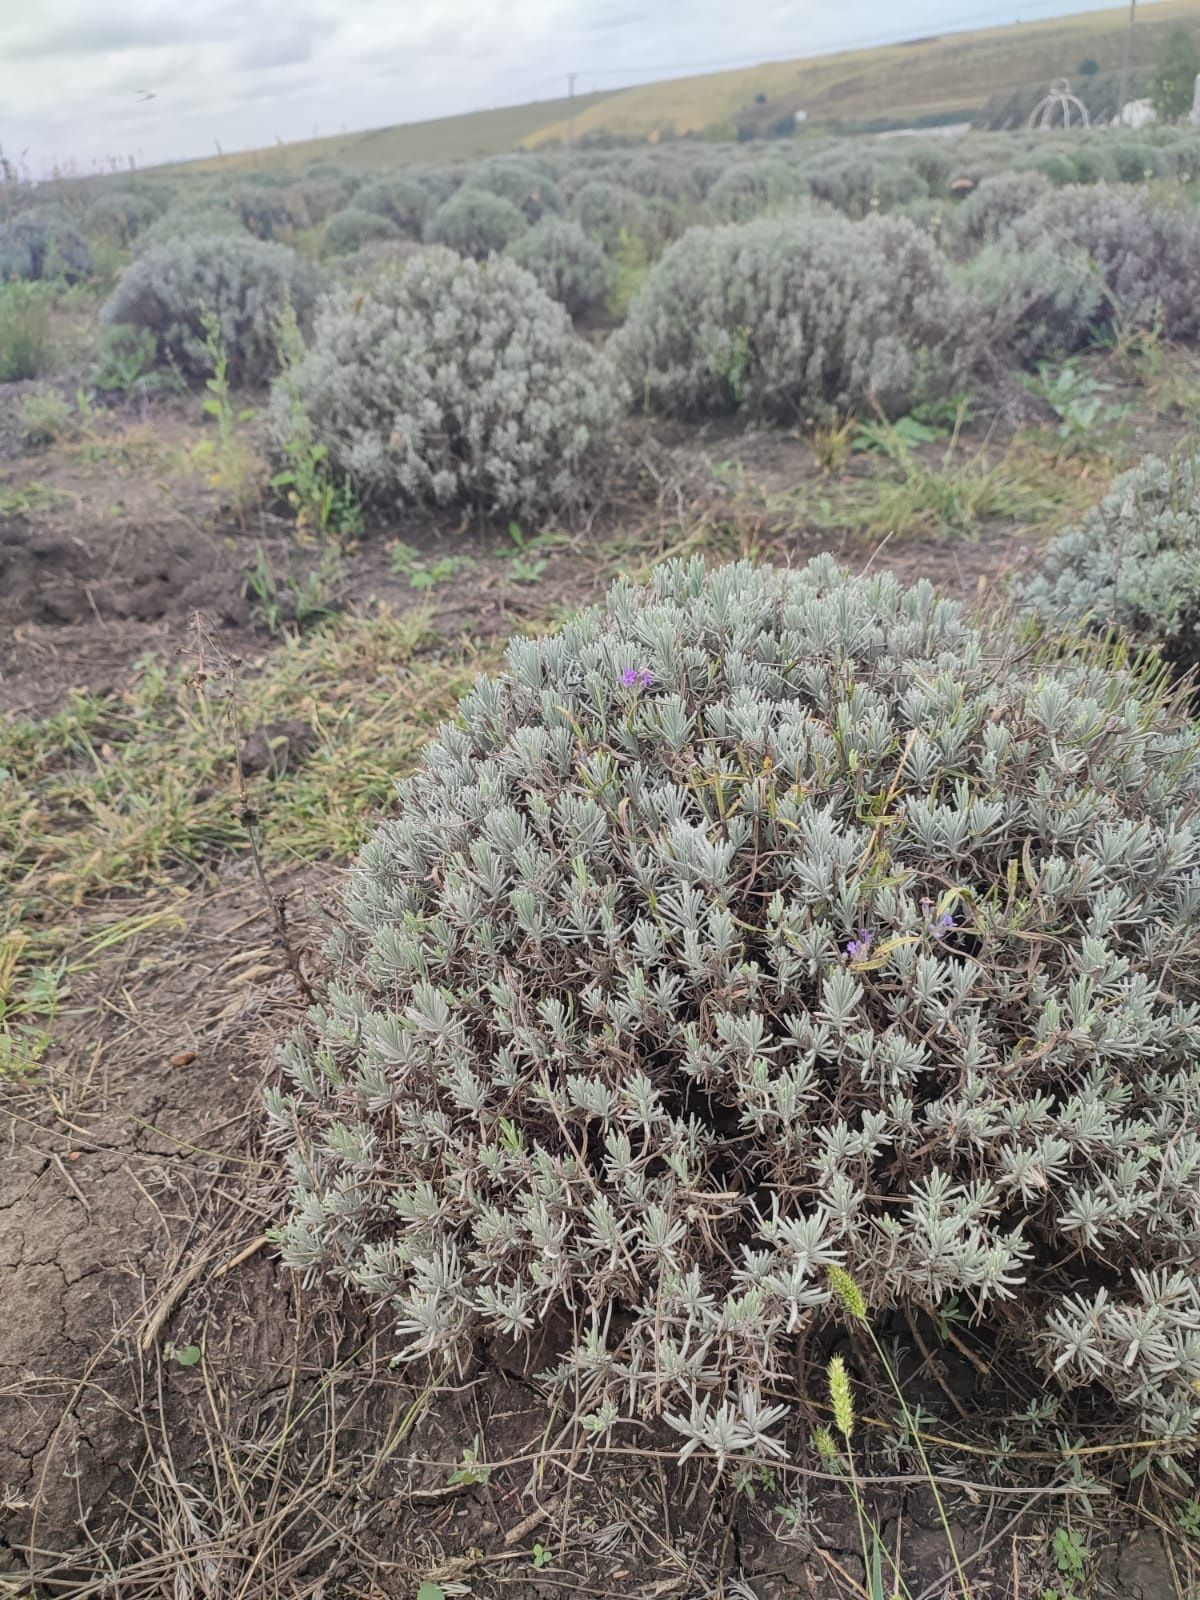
x,y
276,50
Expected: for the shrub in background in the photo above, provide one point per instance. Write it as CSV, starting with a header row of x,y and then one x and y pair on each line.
x,y
439,182
569,266
755,923
122,214
475,223
664,175
791,316
313,200
996,204
749,189
609,210
524,182
859,182
374,259
1035,304
402,200
190,220
267,213
452,383
1133,563
1148,256
43,244
244,283
353,228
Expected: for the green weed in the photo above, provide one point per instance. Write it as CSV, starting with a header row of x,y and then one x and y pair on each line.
x,y
235,469
26,342
323,503
426,573
631,268
291,603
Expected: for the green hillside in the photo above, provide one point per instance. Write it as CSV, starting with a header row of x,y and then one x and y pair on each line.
x,y
480,133
955,72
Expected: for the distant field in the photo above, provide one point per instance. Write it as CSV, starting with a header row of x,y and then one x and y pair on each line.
x,y
481,133
939,76
951,72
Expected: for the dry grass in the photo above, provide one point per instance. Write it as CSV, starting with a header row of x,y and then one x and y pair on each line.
x,y
114,796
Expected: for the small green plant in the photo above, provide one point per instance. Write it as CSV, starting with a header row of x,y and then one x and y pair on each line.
x,y
44,417
1188,1517
124,362
907,431
26,342
1078,400
291,605
631,268
524,564
423,574
542,1556
1070,1557
235,466
431,1591
324,503
187,1355
747,1481
27,1012
472,1470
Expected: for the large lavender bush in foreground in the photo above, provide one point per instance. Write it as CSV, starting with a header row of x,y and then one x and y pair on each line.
x,y
757,922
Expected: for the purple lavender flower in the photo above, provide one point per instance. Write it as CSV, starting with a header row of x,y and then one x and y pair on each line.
x,y
941,926
859,949
637,678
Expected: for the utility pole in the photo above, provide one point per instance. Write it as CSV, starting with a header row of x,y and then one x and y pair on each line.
x,y
1124,79
571,76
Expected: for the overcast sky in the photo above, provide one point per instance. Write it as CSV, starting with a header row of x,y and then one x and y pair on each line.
x,y
74,73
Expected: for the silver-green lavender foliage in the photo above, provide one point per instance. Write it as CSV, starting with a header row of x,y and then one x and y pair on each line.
x,y
609,210
402,200
174,289
792,317
568,265
121,213
475,222
1132,563
748,189
452,382
998,202
43,245
1037,303
527,182
187,219
756,922
352,228
1147,255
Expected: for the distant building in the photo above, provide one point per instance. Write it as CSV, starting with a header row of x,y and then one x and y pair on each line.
x,y
802,116
1138,114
